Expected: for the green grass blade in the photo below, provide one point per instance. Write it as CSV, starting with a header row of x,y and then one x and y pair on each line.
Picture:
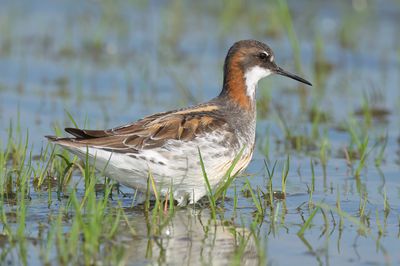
x,y
308,222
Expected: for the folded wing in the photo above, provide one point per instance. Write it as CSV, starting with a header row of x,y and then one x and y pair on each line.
x,y
150,132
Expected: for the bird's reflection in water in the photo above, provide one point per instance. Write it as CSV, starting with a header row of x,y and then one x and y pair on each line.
x,y
189,238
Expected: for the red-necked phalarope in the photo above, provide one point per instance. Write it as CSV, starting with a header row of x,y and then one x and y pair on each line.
x,y
167,144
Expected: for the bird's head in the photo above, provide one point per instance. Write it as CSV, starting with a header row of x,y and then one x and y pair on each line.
x,y
246,63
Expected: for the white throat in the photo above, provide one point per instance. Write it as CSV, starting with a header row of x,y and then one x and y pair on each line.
x,y
252,76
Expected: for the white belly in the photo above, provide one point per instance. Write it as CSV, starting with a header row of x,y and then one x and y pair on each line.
x,y
176,164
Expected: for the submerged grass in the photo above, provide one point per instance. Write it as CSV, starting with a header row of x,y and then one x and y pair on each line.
x,y
91,218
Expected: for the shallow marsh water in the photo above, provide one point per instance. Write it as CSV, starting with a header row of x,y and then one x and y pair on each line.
x,y
110,62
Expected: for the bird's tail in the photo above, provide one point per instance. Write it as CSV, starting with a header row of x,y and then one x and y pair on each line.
x,y
62,141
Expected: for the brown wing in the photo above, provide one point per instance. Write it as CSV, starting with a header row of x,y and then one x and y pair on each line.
x,y
153,131
125,129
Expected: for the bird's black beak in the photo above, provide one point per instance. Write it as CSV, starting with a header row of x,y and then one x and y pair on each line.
x,y
283,72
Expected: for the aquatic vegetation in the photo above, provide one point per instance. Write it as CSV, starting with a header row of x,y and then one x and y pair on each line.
x,y
322,187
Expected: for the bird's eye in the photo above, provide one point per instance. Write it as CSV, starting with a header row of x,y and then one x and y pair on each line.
x,y
263,56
